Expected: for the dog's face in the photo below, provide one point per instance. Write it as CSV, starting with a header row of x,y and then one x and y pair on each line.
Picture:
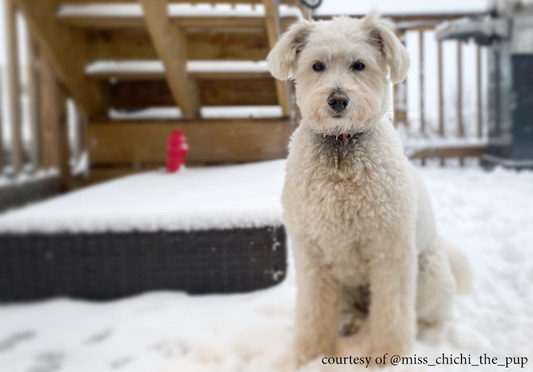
x,y
342,70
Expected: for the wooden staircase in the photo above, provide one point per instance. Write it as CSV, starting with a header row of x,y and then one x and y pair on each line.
x,y
158,49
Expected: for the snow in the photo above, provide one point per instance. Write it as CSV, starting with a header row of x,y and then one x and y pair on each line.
x,y
125,67
201,198
487,214
206,112
174,10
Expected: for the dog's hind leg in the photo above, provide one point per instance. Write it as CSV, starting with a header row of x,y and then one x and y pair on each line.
x,y
436,287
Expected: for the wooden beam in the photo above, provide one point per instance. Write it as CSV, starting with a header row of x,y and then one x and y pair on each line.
x,y
440,87
139,94
13,82
450,152
64,49
137,45
479,94
198,75
400,93
460,124
273,25
422,85
210,141
33,102
55,148
171,46
135,22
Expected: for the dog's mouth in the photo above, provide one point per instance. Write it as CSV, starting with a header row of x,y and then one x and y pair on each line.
x,y
336,115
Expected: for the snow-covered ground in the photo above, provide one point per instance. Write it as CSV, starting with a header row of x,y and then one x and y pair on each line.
x,y
487,214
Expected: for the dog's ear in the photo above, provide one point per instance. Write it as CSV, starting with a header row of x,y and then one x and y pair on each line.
x,y
282,58
381,35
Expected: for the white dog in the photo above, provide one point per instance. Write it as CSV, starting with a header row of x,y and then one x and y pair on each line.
x,y
358,215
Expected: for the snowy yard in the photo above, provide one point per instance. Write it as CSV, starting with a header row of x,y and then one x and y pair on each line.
x,y
487,214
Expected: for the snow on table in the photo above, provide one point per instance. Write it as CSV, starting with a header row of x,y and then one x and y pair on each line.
x,y
193,199
486,214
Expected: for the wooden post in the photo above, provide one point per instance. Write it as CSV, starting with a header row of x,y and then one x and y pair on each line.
x,y
440,73
64,49
13,76
171,46
460,125
422,85
400,94
33,100
55,149
273,27
479,93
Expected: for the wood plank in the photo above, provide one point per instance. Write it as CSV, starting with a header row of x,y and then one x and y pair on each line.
x,y
138,94
55,149
198,75
64,50
135,22
272,20
400,93
210,141
171,46
460,124
210,45
422,85
450,152
479,94
13,83
440,87
33,102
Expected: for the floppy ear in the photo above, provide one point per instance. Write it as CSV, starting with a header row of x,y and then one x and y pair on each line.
x,y
282,58
382,36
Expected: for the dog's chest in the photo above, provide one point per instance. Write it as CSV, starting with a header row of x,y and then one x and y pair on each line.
x,y
343,213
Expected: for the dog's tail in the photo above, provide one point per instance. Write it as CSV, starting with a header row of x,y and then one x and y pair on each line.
x,y
461,270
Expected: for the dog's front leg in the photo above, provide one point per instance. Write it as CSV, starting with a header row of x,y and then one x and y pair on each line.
x,y
393,294
317,308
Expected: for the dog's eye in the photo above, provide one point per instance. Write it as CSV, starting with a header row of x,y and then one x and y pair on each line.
x,y
318,67
358,66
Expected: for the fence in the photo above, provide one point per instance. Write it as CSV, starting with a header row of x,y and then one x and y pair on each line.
x,y
453,134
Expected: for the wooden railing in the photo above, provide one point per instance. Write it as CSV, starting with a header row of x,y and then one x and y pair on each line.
x,y
455,129
40,137
35,154
446,138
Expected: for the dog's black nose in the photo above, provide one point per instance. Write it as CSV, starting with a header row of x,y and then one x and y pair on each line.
x,y
338,101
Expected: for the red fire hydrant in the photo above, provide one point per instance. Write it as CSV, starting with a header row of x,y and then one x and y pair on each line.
x,y
177,149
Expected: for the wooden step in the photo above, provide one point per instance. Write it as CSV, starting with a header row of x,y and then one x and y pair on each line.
x,y
130,16
143,93
114,144
154,70
207,45
136,44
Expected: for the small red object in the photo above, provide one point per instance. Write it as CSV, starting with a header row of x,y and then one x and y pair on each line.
x,y
177,149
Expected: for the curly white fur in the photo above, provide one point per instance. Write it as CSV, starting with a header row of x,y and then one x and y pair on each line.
x,y
367,228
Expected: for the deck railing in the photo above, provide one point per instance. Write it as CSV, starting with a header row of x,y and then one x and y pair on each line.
x,y
431,110
38,133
